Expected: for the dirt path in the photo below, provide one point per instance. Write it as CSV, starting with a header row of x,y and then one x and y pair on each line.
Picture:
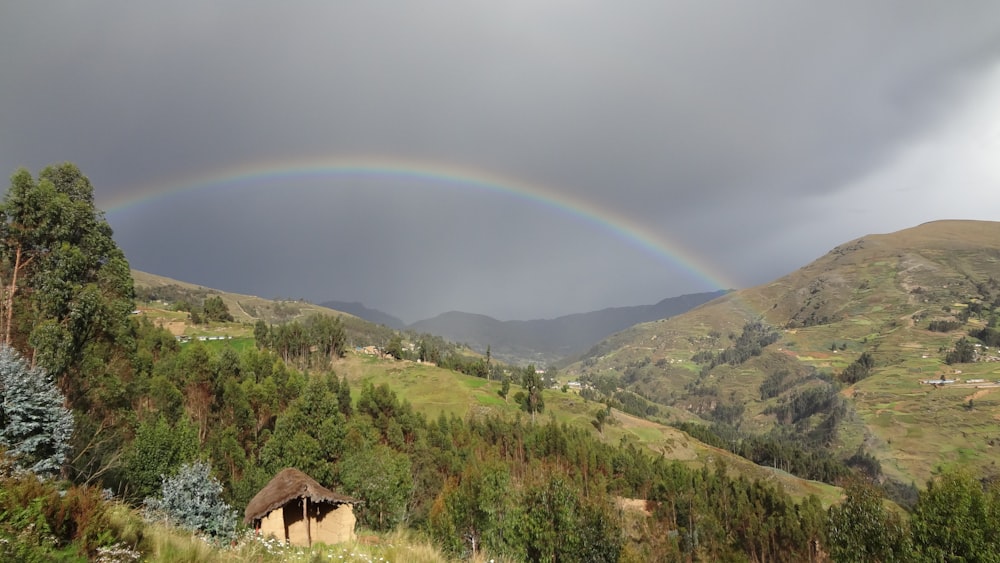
x,y
978,394
242,310
908,319
175,328
636,504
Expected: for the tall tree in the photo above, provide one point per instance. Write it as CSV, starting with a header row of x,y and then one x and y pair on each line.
x,y
532,401
327,332
309,435
504,387
862,529
955,519
395,347
68,289
383,478
159,449
477,511
489,356
344,398
261,334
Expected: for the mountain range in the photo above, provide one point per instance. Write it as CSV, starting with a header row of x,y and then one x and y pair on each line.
x,y
542,341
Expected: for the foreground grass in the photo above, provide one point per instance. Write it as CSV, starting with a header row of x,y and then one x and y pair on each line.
x,y
170,545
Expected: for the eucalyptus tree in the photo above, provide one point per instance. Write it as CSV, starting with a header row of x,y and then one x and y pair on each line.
x,y
531,398
861,528
67,286
66,304
956,519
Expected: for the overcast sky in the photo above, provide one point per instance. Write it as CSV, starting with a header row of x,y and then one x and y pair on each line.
x,y
745,138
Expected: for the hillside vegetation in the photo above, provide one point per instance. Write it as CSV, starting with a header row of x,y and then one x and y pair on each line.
x,y
434,390
855,333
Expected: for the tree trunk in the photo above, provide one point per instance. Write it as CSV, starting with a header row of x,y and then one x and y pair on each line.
x,y
9,298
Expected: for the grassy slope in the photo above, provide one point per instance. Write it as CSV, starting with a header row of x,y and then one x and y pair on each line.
x,y
868,291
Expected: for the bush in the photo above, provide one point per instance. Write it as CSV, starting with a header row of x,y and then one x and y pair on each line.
x,y
39,522
192,500
35,427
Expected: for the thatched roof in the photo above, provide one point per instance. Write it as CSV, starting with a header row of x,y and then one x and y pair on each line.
x,y
290,484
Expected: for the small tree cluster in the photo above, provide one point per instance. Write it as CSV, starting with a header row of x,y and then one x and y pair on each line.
x,y
862,529
775,384
944,326
756,336
859,369
956,519
964,352
215,309
989,335
395,347
320,336
530,399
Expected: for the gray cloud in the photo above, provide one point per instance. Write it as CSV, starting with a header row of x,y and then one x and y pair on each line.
x,y
754,136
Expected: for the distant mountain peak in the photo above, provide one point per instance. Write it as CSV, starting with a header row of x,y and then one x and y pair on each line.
x,y
359,310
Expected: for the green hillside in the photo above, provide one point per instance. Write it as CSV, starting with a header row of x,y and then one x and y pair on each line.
x,y
879,295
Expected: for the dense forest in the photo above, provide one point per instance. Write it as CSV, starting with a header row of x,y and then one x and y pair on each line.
x,y
103,409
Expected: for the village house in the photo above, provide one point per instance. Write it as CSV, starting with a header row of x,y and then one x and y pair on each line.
x,y
294,508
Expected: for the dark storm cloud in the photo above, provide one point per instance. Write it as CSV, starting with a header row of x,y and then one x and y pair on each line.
x,y
744,133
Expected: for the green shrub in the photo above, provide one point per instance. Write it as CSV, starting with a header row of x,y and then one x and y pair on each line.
x,y
40,522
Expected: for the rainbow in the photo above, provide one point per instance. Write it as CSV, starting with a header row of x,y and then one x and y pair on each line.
x,y
429,173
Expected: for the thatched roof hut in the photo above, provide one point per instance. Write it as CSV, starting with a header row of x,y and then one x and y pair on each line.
x,y
293,507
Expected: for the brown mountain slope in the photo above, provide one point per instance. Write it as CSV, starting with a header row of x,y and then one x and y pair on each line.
x,y
876,294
